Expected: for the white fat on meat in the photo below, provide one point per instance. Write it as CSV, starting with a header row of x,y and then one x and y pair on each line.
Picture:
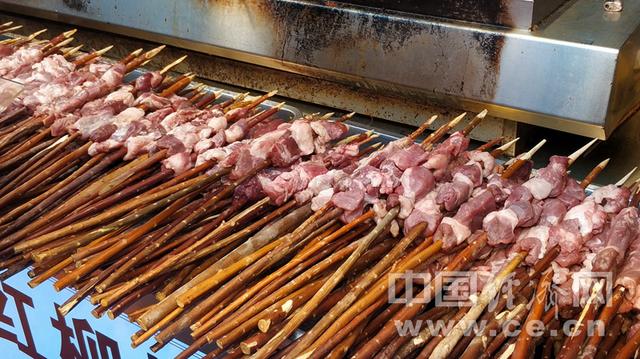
x,y
234,133
138,145
203,145
406,206
590,218
302,133
583,279
461,177
321,199
379,208
127,116
541,233
217,154
539,187
187,134
218,123
460,231
50,68
179,163
560,273
25,55
507,216
204,132
437,161
261,146
488,162
320,130
122,95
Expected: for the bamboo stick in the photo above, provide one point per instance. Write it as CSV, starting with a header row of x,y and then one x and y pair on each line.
x,y
488,293
523,343
327,287
362,285
264,236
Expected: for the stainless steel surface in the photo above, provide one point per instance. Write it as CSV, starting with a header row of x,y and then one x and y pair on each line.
x,y
512,13
574,73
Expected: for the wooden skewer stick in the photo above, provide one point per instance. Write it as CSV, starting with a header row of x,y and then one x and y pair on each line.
x,y
85,59
360,287
57,47
423,127
521,160
502,149
475,122
21,40
488,293
4,31
440,132
594,173
9,28
382,338
626,177
605,317
523,342
67,53
142,58
264,236
486,146
172,65
574,156
6,24
326,288
58,39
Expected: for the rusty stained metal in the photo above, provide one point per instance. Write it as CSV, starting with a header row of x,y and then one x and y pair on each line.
x,y
371,105
522,14
560,76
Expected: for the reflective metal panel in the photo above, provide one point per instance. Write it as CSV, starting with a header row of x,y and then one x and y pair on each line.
x,y
562,75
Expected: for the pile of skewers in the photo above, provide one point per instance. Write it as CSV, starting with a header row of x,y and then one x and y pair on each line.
x,y
285,239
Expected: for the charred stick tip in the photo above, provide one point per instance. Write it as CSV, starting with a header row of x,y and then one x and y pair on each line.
x,y
153,52
33,36
580,151
423,127
104,50
69,33
475,122
72,50
327,115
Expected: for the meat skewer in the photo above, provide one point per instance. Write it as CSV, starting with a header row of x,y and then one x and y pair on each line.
x,y
28,244
373,345
551,252
487,294
50,198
